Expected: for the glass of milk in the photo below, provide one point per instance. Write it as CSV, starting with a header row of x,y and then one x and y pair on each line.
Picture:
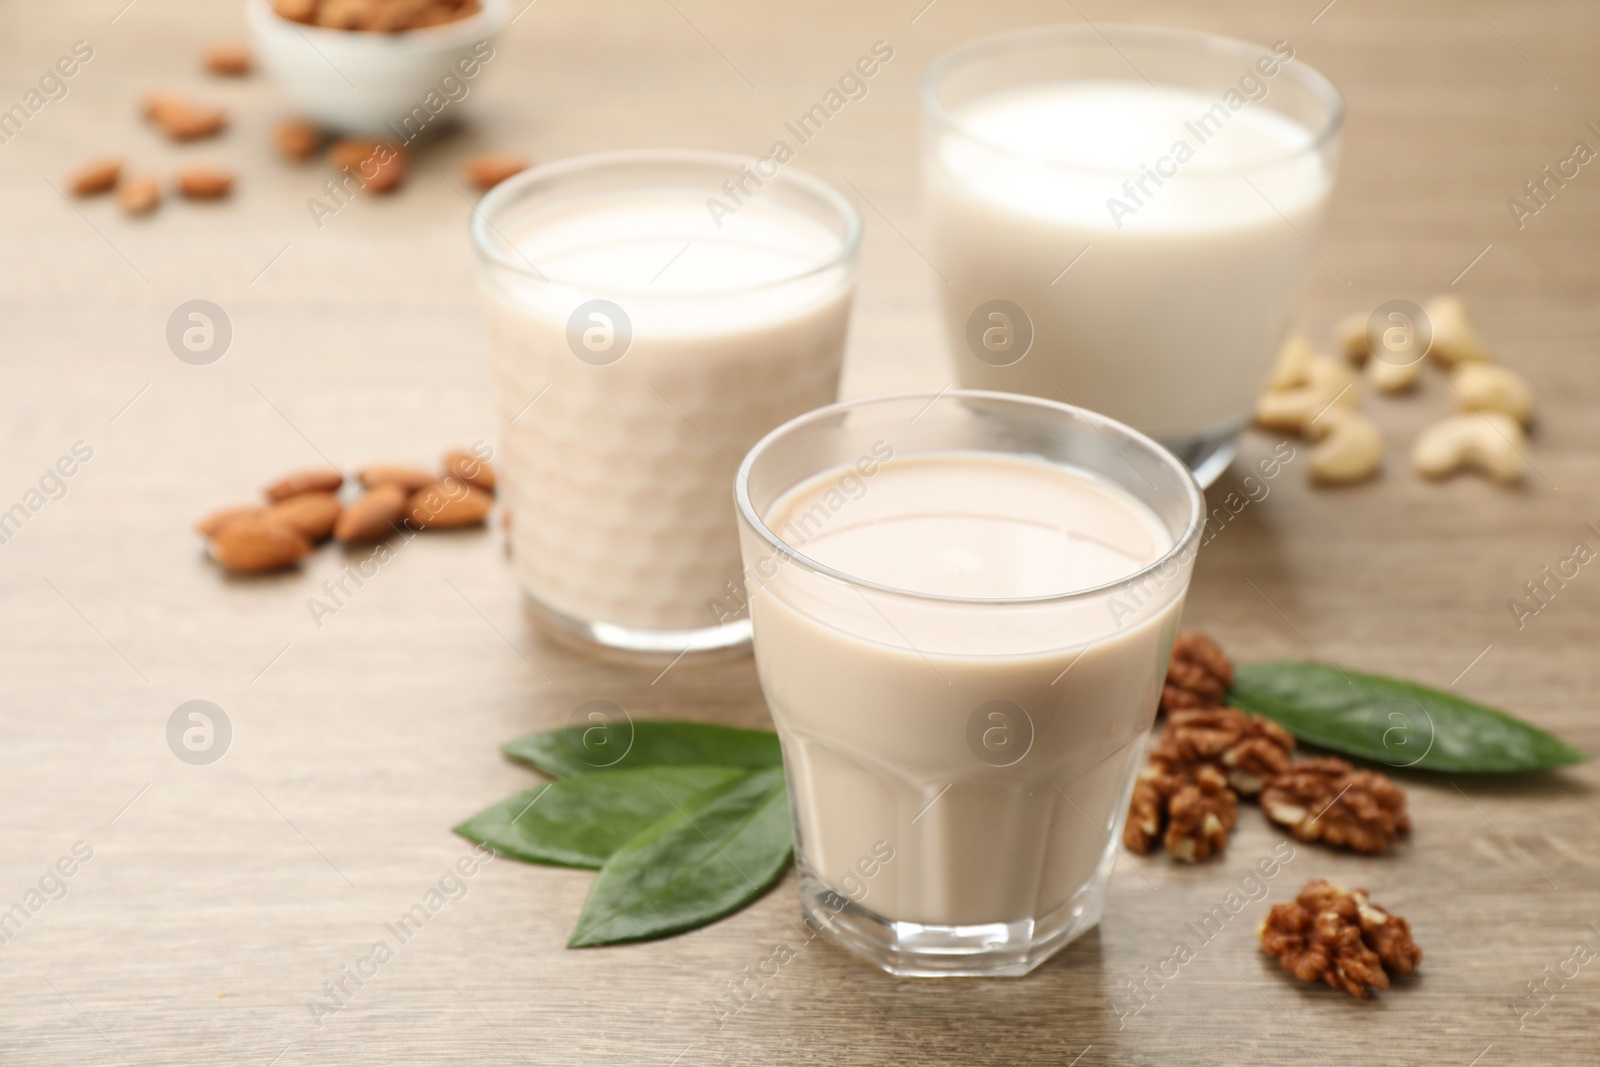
x,y
1121,217
652,314
964,603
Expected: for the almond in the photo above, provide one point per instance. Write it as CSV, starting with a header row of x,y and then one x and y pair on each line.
x,y
139,195
320,480
227,58
380,166
95,176
395,15
408,478
470,469
311,515
492,168
297,139
253,545
201,182
448,505
373,517
208,526
296,10
346,14
160,102
182,121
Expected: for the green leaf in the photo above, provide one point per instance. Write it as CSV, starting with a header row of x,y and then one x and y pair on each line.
x,y
619,745
579,822
1398,723
701,862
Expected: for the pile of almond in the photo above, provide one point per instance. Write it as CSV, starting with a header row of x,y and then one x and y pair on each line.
x,y
376,16
303,509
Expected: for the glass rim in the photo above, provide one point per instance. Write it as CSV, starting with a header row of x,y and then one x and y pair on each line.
x,y
1106,33
484,232
1101,423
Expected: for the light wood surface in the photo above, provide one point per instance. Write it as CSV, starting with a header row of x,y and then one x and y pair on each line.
x,y
219,899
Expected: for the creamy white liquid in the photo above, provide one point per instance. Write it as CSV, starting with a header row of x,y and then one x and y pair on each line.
x,y
873,693
618,476
1169,320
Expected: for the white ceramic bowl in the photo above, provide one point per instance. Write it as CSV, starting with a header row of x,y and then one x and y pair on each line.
x,y
360,82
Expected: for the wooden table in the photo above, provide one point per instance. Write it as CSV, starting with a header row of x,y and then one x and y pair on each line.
x,y
219,899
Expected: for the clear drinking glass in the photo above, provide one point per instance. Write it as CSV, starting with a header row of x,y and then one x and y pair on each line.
x,y
651,315
1122,216
959,769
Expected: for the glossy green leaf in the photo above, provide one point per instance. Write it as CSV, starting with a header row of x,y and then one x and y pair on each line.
x,y
579,822
1397,723
621,745
701,862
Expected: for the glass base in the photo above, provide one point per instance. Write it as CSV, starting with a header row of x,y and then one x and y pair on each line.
x,y
922,950
1208,454
729,638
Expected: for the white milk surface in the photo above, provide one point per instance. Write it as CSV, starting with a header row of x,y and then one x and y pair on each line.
x,y
1169,319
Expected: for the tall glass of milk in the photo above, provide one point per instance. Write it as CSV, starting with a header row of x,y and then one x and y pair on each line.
x,y
652,314
1121,217
964,603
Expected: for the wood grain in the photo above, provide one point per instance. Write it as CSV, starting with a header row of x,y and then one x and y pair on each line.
x,y
220,899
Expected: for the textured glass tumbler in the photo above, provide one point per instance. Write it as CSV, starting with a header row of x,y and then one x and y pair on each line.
x,y
1122,217
651,315
959,768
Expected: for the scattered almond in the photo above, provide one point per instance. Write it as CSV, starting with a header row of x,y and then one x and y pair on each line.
x,y
492,168
139,195
95,176
320,480
311,515
380,166
373,517
227,58
408,478
470,469
200,182
182,121
448,505
252,545
161,102
297,139
208,526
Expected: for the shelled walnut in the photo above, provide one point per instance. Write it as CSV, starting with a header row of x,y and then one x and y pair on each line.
x,y
1249,750
1328,800
1199,674
1340,937
1189,809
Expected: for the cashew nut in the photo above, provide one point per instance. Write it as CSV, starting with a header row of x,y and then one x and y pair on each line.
x,y
1487,442
1454,339
1350,334
1329,382
1486,387
1349,447
1387,377
1293,366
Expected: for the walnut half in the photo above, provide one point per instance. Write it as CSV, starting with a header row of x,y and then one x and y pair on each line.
x,y
1328,800
1250,750
1199,674
1340,937
1189,809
